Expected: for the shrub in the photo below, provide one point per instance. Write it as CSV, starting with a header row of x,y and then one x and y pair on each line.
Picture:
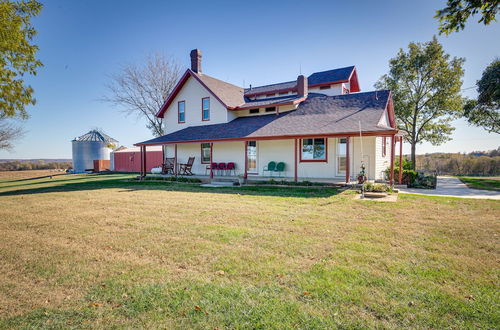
x,y
173,179
289,183
424,181
377,187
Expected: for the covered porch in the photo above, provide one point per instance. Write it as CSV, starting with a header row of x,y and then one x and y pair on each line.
x,y
340,160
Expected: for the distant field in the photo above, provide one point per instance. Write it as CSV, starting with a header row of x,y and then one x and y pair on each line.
x,y
101,251
484,183
12,175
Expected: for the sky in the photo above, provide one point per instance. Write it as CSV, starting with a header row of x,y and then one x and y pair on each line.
x,y
252,42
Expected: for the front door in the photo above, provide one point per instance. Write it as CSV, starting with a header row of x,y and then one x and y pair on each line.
x,y
252,157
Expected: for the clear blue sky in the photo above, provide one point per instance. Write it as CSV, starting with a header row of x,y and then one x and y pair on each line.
x,y
81,42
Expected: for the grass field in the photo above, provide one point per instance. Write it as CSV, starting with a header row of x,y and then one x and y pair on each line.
x,y
484,183
93,251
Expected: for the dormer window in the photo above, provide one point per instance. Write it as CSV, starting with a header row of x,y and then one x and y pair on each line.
x,y
271,109
252,111
205,108
181,112
325,87
283,93
270,94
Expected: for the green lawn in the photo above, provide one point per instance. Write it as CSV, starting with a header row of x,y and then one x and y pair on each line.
x,y
488,183
90,251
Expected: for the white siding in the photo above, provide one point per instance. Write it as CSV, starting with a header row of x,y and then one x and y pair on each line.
x,y
382,163
283,151
192,92
333,90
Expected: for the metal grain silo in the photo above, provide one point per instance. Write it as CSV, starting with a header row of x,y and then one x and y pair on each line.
x,y
95,145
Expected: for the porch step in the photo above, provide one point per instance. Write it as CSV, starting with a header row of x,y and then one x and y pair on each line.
x,y
224,182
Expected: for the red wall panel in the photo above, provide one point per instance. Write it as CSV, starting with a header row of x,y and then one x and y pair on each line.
x,y
131,161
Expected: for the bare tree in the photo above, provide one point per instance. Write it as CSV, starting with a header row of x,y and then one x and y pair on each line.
x,y
8,132
141,90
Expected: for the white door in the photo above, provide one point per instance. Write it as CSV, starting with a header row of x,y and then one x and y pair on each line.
x,y
252,157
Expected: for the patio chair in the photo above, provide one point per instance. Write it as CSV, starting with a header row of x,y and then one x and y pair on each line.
x,y
185,169
280,168
222,168
168,166
271,166
231,167
209,166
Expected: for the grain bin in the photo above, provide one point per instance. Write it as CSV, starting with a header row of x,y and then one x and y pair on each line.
x,y
95,145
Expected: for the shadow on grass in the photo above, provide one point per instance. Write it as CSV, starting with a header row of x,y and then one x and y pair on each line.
x,y
128,185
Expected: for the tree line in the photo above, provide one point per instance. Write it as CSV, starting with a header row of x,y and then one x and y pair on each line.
x,y
37,165
475,163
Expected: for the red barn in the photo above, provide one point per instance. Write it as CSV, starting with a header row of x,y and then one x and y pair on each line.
x,y
129,159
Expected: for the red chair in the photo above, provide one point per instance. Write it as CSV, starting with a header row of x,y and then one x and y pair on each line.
x,y
213,165
231,167
222,168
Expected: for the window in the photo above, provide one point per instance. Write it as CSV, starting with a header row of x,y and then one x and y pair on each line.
x,y
384,146
205,108
271,109
254,110
205,153
181,112
284,93
341,155
270,94
325,87
313,150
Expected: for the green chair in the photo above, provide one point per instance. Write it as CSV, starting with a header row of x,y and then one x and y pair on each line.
x,y
280,168
271,167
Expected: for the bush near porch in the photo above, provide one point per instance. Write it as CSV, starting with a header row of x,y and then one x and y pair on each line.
x,y
103,251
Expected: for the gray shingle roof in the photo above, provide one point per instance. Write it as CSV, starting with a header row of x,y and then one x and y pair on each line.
x,y
318,115
231,95
269,101
271,88
322,77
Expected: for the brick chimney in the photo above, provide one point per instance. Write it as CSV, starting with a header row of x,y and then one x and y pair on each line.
x,y
196,60
302,86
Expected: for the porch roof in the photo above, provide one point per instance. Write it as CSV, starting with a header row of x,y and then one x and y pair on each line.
x,y
319,115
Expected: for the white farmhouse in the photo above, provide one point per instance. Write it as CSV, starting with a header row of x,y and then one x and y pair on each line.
x,y
318,127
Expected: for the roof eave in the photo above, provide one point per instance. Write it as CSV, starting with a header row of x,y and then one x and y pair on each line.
x,y
388,132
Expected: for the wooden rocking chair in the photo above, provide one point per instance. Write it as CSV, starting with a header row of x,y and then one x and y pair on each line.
x,y
185,169
168,167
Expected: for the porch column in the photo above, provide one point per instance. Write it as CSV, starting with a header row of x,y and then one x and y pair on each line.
x,y
175,159
400,179
211,158
245,175
347,161
142,163
295,155
391,178
145,164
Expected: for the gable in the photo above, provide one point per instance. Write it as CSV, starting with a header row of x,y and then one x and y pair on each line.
x,y
227,94
192,93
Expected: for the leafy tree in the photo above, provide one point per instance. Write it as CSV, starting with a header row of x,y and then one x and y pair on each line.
x,y
142,90
425,83
457,12
17,55
485,111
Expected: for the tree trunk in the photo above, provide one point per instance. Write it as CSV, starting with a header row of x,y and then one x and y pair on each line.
x,y
413,156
